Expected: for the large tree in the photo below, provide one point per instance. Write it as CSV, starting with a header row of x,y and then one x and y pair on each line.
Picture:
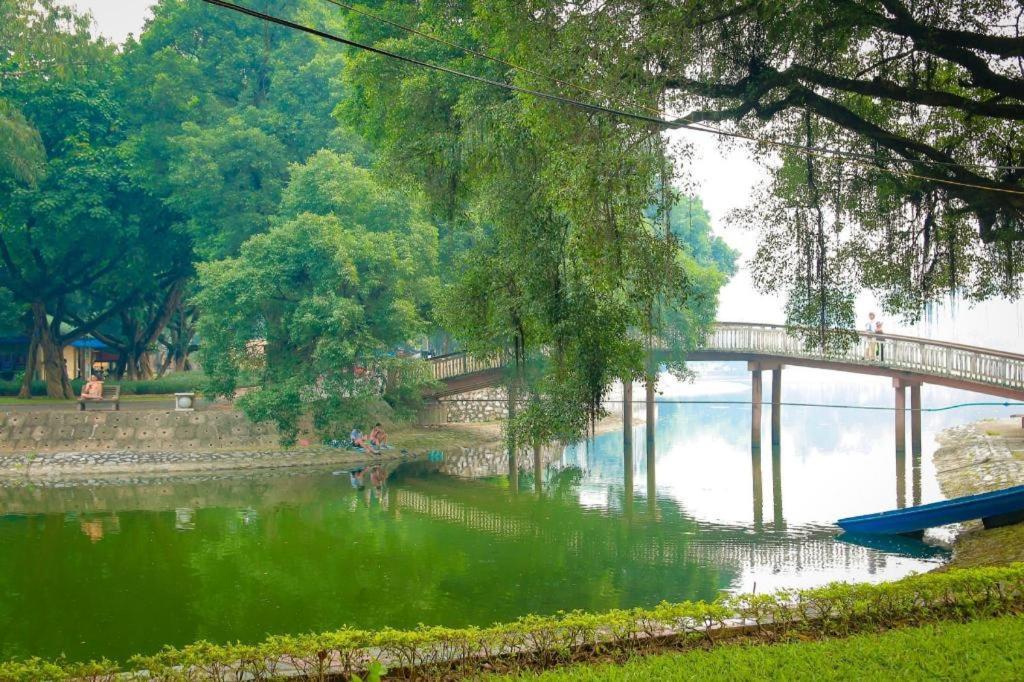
x,y
558,261
72,237
316,305
923,103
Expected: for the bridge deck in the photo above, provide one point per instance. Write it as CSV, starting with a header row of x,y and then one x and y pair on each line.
x,y
937,362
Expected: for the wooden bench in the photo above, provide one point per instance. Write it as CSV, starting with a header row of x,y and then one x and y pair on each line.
x,y
111,396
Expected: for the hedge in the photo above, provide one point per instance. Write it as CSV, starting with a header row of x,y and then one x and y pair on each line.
x,y
532,642
177,382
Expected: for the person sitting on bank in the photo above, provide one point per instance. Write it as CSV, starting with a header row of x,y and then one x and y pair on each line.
x,y
93,389
378,436
359,440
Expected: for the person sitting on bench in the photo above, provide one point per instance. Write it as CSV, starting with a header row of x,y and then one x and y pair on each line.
x,y
359,440
93,389
378,436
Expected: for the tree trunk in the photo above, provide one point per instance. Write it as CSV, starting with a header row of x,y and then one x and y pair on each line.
x,y
30,368
55,373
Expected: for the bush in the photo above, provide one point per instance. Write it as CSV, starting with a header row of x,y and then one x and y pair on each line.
x,y
178,382
540,641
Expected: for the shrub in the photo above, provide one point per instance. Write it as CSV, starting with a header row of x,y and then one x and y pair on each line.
x,y
538,641
178,382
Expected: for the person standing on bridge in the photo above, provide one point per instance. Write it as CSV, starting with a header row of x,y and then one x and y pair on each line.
x,y
869,345
881,341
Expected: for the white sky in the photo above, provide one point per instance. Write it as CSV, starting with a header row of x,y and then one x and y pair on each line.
x,y
725,181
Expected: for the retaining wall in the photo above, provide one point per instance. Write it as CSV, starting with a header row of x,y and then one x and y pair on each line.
x,y
484,405
135,431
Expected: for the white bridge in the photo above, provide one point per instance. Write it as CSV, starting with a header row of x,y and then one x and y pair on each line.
x,y
909,361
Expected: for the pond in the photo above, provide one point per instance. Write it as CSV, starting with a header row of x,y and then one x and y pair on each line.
x,y
115,569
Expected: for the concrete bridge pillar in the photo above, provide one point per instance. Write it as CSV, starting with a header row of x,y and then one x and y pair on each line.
x,y
756,388
900,414
755,404
900,385
776,405
915,418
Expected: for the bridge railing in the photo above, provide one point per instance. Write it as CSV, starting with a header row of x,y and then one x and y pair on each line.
x,y
460,364
924,356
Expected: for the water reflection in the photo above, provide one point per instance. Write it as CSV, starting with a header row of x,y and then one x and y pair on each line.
x,y
118,569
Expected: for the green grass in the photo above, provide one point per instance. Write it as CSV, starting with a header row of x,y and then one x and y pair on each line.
x,y
981,650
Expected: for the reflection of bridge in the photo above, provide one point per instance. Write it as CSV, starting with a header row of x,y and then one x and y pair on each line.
x,y
908,361
727,547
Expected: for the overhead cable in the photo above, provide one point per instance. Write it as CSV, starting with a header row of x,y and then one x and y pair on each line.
x,y
586,106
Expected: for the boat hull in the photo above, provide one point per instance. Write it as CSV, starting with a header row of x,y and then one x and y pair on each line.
x,y
995,508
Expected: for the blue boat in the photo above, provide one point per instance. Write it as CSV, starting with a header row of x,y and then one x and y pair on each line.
x,y
998,508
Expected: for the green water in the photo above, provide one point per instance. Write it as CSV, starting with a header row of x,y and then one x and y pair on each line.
x,y
114,569
300,553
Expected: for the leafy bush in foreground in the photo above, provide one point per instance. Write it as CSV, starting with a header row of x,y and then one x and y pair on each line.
x,y
538,641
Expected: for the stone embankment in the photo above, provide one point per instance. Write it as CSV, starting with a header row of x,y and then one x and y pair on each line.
x,y
135,431
981,457
55,444
56,465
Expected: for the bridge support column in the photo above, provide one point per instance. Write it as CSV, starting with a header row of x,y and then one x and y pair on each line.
x,y
915,418
777,405
900,414
756,389
755,404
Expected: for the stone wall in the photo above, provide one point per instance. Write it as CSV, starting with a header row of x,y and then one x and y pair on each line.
x,y
484,405
134,430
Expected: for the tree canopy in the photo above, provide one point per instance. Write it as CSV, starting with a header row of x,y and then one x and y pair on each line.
x,y
339,208
316,305
892,131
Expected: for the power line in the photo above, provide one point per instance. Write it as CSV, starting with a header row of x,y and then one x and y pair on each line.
x,y
630,102
674,401
586,106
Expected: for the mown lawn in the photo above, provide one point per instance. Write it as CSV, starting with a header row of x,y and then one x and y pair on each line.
x,y
982,650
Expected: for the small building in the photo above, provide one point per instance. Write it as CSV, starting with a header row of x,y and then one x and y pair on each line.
x,y
80,356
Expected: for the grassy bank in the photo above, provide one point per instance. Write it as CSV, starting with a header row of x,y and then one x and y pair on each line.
x,y
981,650
539,642
975,458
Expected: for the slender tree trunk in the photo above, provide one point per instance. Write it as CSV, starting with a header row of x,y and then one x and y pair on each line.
x,y
30,367
164,365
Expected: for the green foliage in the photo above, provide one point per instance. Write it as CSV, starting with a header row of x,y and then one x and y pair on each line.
x,y
176,382
554,260
316,304
690,223
434,652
